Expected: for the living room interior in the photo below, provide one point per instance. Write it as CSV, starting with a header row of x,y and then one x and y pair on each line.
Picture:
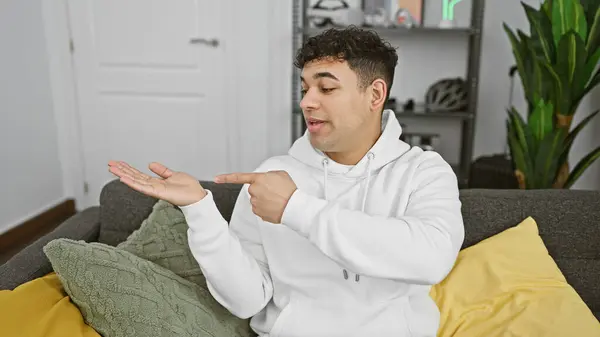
x,y
86,82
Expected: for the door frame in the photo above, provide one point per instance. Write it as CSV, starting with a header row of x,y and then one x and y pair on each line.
x,y
242,149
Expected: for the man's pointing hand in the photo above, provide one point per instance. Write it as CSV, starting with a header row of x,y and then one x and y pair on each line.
x,y
269,192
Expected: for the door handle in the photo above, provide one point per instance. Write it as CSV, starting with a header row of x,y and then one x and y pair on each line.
x,y
200,40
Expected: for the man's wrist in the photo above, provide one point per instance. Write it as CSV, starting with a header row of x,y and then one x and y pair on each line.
x,y
195,197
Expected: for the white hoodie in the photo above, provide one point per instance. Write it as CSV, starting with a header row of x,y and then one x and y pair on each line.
x,y
357,251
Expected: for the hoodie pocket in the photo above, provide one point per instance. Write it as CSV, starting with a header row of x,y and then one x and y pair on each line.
x,y
422,315
281,319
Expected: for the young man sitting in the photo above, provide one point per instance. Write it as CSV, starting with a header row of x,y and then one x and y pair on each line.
x,y
344,235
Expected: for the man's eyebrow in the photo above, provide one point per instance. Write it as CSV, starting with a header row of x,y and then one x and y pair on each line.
x,y
323,74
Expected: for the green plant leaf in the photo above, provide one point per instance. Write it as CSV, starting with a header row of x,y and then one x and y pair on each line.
x,y
568,15
581,26
570,64
516,46
547,158
523,136
580,78
593,40
515,148
571,56
541,120
539,86
590,8
528,76
594,81
591,65
521,130
519,53
556,84
517,152
562,19
541,31
547,7
570,139
583,165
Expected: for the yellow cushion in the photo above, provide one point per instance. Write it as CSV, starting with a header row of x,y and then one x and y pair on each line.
x,y
508,285
41,308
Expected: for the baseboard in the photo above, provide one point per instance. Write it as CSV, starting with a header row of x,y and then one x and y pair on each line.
x,y
29,230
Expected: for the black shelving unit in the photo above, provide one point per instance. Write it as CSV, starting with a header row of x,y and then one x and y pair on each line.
x,y
467,118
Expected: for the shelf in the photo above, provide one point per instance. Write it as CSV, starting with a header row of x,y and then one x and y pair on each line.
x,y
434,114
472,33
419,114
396,31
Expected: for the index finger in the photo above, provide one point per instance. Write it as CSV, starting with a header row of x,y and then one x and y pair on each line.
x,y
237,178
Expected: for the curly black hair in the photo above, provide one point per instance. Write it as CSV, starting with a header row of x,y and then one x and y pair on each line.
x,y
367,54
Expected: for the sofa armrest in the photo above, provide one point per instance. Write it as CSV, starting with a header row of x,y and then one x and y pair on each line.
x,y
31,262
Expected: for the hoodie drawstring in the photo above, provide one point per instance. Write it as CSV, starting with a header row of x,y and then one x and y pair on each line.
x,y
325,163
370,157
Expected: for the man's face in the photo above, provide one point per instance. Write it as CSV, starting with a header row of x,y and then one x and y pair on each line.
x,y
338,112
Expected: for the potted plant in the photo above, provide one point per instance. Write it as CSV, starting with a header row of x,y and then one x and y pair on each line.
x,y
557,63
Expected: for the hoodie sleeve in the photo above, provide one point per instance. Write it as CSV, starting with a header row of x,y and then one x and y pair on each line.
x,y
419,247
231,257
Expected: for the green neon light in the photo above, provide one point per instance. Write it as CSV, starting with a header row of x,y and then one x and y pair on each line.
x,y
448,9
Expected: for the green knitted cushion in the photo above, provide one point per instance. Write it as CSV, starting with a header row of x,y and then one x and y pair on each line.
x,y
120,294
162,239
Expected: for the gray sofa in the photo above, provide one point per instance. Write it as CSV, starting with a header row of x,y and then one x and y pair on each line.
x,y
569,222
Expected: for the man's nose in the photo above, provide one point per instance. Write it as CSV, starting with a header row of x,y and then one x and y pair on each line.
x,y
309,101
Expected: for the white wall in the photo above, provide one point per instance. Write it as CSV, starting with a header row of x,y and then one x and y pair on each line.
x,y
29,166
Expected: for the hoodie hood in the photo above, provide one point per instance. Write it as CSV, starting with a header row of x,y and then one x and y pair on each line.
x,y
388,148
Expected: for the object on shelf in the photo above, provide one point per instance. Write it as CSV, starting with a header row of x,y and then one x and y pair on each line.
x,y
449,94
393,31
409,105
426,141
415,8
390,104
393,13
334,13
407,13
378,19
404,18
446,24
410,108
448,13
376,13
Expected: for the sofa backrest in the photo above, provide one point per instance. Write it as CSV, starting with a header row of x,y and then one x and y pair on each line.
x,y
123,209
569,222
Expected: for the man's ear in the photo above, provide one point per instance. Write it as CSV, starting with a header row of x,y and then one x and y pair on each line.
x,y
378,94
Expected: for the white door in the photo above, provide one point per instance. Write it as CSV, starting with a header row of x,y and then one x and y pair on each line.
x,y
151,82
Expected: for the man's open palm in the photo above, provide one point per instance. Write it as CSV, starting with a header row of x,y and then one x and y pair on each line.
x,y
178,188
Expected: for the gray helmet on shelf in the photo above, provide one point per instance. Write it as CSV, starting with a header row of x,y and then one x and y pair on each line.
x,y
449,94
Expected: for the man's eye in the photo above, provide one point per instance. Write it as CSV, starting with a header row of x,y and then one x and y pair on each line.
x,y
303,92
326,90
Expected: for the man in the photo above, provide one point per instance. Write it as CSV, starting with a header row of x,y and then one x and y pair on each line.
x,y
345,235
